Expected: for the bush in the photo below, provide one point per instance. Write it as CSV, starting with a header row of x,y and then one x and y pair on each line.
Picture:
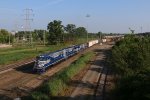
x,y
39,96
134,87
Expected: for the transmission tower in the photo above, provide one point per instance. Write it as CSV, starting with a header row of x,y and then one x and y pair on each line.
x,y
28,19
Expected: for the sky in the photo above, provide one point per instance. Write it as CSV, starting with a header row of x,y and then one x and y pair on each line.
x,y
109,16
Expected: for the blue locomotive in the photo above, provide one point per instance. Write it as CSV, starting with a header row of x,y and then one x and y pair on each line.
x,y
44,61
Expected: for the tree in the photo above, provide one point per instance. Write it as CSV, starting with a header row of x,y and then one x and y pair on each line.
x,y
39,34
55,29
23,35
81,31
70,28
5,36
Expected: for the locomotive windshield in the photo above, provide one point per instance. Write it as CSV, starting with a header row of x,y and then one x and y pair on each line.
x,y
41,58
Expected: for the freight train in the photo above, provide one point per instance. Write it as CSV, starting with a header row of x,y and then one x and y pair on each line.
x,y
45,61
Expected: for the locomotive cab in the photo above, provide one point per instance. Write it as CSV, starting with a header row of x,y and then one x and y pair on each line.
x,y
40,63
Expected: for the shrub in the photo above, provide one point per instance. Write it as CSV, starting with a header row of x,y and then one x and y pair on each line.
x,y
39,96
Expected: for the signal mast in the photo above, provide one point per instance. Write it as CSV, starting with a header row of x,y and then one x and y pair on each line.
x,y
132,31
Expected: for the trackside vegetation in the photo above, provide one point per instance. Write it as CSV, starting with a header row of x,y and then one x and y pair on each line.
x,y
130,58
59,82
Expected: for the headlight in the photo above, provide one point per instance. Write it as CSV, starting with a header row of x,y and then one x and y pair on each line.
x,y
40,65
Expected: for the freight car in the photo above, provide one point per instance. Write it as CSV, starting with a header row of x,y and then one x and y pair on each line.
x,y
45,61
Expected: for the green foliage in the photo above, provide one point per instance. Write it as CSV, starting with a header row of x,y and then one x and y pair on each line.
x,y
131,54
55,29
39,96
59,82
4,36
23,35
70,28
39,35
134,87
81,31
131,60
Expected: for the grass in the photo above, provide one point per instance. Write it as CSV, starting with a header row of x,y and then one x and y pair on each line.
x,y
58,83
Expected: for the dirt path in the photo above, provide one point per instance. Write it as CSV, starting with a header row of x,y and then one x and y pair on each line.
x,y
19,81
91,85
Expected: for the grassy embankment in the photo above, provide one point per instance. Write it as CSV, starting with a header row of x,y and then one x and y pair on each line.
x,y
59,82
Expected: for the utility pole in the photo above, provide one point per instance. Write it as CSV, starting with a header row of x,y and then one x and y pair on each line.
x,y
100,37
28,18
141,29
15,31
44,36
87,37
9,38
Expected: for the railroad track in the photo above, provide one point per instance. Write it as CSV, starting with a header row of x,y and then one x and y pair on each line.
x,y
99,93
100,89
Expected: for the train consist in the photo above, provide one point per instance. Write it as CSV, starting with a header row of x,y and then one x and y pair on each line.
x,y
45,61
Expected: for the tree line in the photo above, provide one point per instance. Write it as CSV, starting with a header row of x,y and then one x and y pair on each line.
x,y
55,33
130,58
